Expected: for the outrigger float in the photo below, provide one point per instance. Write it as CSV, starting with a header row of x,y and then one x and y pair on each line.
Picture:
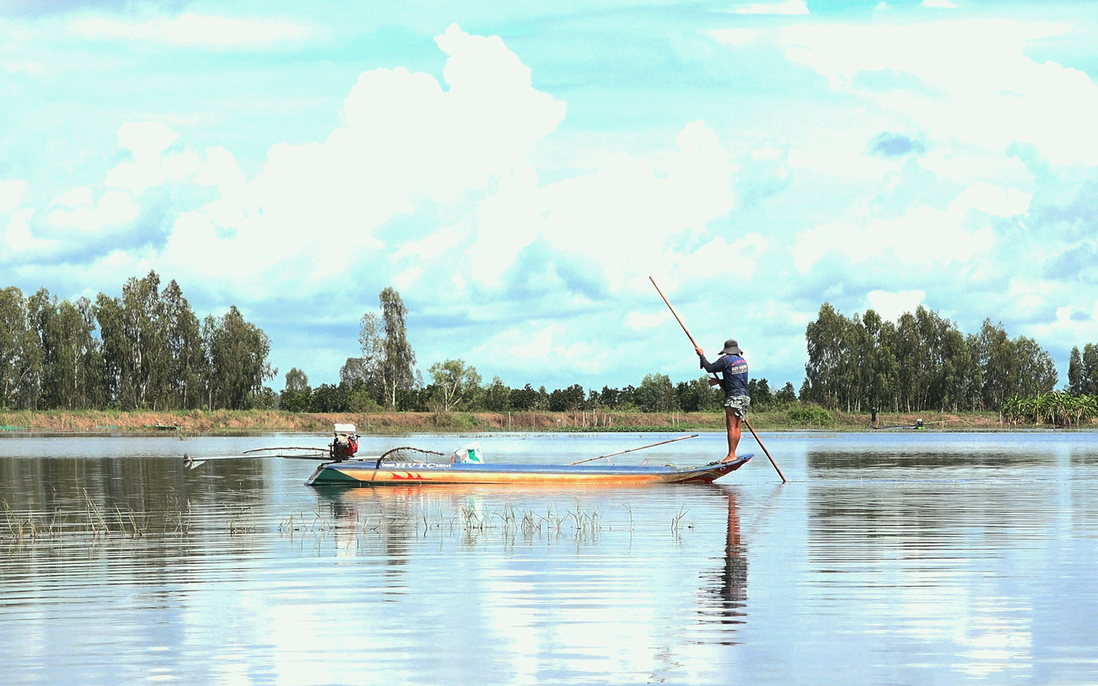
x,y
402,467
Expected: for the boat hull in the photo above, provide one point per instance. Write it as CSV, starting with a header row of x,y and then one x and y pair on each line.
x,y
375,473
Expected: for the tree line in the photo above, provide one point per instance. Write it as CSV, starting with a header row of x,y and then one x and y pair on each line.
x,y
144,350
922,362
148,350
456,386
384,376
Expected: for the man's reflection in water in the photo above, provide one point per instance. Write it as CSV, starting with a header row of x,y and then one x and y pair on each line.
x,y
725,592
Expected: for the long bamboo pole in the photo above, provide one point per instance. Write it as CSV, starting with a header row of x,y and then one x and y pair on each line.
x,y
633,450
757,439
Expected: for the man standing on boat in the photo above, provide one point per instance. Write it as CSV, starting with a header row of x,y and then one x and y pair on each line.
x,y
733,370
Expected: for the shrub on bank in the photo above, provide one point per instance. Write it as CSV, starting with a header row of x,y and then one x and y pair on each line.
x,y
810,415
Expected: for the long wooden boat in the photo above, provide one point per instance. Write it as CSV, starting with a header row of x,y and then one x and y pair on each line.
x,y
341,466
380,472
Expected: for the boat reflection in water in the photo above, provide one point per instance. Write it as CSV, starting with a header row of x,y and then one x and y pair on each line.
x,y
519,531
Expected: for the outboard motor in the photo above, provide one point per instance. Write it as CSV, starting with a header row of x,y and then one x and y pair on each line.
x,y
345,443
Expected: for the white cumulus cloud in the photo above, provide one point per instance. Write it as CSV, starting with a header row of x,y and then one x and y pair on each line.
x,y
977,85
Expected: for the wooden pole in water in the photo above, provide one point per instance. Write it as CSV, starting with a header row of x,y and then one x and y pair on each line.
x,y
759,441
679,320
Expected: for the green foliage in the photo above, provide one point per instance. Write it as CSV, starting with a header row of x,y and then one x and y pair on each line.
x,y
145,350
922,362
786,396
497,397
699,396
295,401
397,361
455,384
810,415
568,399
296,380
238,361
524,399
387,364
655,394
20,354
1083,371
1057,408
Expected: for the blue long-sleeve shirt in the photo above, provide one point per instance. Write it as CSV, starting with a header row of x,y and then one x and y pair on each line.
x,y
733,371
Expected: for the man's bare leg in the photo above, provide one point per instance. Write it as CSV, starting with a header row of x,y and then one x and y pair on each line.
x,y
732,425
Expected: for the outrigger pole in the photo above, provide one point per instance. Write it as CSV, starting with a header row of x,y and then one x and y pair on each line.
x,y
748,424
194,463
632,450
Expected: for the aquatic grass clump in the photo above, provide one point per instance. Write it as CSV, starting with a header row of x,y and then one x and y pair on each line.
x,y
22,529
676,522
472,523
96,521
129,524
241,520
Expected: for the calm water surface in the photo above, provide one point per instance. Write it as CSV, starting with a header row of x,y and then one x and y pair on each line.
x,y
889,558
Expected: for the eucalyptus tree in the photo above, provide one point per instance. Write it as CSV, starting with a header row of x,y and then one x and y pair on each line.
x,y
455,383
399,361
1037,374
949,366
70,377
135,356
152,354
181,334
1075,372
912,361
115,364
20,354
883,370
388,362
146,351
1011,367
237,357
297,380
1090,369
997,364
368,367
921,362
826,341
296,395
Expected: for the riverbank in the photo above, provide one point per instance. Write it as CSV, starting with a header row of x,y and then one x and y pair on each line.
x,y
268,421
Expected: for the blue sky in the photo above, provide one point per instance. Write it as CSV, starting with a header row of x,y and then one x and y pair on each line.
x,y
518,170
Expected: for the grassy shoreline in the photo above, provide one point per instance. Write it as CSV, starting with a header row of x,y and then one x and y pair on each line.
x,y
270,421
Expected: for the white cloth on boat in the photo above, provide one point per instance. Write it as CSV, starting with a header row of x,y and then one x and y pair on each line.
x,y
468,453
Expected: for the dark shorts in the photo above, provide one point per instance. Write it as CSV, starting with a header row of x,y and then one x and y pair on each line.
x,y
738,404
